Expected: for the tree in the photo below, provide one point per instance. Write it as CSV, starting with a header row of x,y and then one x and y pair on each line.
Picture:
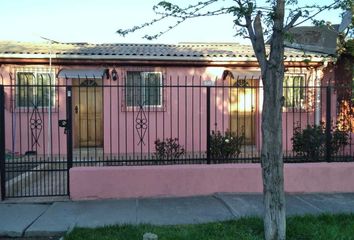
x,y
257,23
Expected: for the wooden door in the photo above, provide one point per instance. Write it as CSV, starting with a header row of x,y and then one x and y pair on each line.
x,y
243,103
88,114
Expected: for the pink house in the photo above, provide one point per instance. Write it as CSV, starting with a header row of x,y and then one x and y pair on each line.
x,y
121,98
119,68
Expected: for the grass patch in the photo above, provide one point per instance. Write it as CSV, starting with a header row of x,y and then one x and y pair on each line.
x,y
326,227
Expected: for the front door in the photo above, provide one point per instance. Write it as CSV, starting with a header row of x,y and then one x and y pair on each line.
x,y
87,107
243,99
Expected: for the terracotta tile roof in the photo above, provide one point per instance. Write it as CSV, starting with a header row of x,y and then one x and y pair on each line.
x,y
182,51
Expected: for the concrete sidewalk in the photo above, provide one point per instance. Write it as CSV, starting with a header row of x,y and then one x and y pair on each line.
x,y
38,219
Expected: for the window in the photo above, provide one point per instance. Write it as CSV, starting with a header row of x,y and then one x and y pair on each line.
x,y
34,89
143,89
294,91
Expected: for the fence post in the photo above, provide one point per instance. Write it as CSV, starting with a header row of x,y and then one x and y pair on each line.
x,y
208,123
328,125
2,142
69,133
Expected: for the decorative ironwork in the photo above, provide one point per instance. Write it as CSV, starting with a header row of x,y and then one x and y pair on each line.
x,y
36,127
241,83
141,124
89,83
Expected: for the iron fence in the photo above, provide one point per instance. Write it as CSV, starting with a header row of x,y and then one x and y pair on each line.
x,y
149,119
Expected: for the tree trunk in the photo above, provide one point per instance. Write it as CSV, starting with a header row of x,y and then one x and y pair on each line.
x,y
272,158
272,153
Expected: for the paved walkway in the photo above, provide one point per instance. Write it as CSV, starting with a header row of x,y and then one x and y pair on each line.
x,y
39,219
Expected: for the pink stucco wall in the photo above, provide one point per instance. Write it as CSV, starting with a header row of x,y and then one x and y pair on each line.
x,y
19,139
182,110
183,114
189,180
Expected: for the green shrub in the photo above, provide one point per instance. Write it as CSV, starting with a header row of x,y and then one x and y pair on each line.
x,y
227,145
168,149
310,142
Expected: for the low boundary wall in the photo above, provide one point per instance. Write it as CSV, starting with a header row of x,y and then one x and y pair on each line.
x,y
189,180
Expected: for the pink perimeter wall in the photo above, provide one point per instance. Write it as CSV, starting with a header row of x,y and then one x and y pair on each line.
x,y
189,180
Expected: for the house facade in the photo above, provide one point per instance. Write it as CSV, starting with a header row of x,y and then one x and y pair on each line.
x,y
124,97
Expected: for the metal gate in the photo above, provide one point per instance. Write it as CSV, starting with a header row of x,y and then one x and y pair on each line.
x,y
32,162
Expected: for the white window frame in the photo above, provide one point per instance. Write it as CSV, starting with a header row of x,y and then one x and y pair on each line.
x,y
301,107
143,73
35,72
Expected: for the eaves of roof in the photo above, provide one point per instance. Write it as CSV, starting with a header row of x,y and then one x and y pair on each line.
x,y
156,58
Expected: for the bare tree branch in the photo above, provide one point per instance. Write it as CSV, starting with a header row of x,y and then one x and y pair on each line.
x,y
250,29
238,23
168,7
259,46
150,37
174,11
239,10
188,15
321,9
293,21
247,17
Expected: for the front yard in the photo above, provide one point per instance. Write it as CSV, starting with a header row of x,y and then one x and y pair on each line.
x,y
324,227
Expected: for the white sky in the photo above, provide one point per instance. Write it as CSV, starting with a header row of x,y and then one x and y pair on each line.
x,y
96,21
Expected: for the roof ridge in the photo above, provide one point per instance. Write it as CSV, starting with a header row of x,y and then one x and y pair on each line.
x,y
139,44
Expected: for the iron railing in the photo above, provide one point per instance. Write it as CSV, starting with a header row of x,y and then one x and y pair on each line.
x,y
85,122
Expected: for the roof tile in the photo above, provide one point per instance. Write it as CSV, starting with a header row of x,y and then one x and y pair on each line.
x,y
182,50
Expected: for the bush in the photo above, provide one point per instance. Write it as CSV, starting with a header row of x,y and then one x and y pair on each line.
x,y
168,149
223,146
310,142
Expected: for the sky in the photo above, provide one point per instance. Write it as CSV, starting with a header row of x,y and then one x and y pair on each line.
x,y
96,21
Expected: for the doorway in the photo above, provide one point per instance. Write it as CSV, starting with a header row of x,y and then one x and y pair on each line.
x,y
88,113
243,108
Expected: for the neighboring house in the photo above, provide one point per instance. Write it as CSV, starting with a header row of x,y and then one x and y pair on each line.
x,y
146,92
321,39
